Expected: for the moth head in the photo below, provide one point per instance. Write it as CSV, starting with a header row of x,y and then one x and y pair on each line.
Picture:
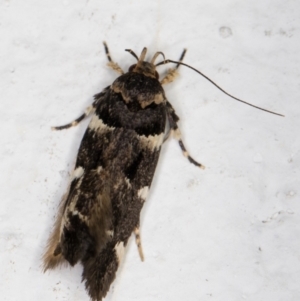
x,y
143,67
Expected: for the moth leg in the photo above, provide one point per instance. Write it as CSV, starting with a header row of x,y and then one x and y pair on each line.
x,y
173,118
173,73
88,111
138,242
177,135
111,63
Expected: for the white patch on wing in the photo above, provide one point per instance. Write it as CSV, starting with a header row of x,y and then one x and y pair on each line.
x,y
78,172
143,192
71,208
110,233
152,142
120,250
99,169
97,124
127,182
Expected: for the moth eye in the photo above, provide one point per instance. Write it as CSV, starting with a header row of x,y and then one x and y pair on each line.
x,y
156,75
131,68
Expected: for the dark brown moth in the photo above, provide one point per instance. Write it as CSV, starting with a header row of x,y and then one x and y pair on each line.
x,y
113,173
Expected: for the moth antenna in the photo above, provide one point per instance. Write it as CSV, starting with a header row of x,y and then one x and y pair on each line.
x,y
142,57
143,54
211,81
156,55
132,53
107,51
181,58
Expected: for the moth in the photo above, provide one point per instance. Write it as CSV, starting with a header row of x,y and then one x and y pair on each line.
x,y
114,169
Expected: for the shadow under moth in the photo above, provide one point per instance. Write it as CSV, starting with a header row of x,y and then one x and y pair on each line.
x,y
114,169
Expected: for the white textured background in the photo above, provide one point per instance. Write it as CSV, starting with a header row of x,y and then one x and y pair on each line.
x,y
230,232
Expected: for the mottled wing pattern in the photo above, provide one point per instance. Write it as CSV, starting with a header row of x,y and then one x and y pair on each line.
x,y
113,173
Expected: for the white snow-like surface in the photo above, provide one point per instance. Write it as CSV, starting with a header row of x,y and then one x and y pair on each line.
x,y
230,232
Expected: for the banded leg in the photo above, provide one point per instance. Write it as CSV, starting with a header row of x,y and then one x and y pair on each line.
x,y
88,111
173,73
173,118
111,63
138,242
